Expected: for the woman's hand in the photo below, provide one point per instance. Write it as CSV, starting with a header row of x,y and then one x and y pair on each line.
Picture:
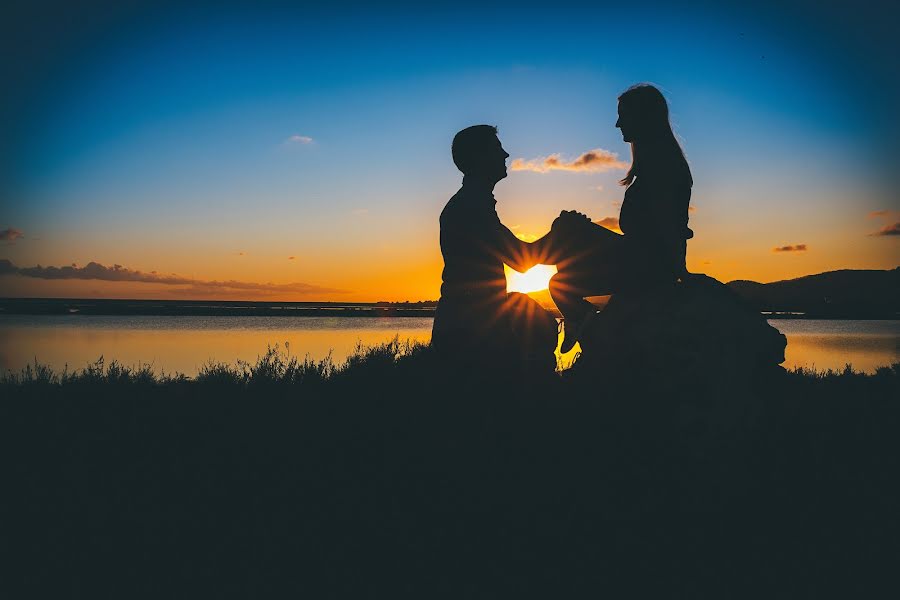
x,y
570,219
574,215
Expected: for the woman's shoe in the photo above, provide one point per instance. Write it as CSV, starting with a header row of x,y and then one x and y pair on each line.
x,y
573,331
569,339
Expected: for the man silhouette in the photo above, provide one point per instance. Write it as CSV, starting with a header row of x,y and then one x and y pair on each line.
x,y
476,319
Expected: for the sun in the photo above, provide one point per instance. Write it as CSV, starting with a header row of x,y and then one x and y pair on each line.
x,y
535,279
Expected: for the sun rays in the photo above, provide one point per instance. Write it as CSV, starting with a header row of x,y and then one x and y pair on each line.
x,y
534,279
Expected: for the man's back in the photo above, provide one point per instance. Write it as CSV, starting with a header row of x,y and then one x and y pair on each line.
x,y
470,244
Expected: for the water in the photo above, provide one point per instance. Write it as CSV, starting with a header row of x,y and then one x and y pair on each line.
x,y
185,343
831,344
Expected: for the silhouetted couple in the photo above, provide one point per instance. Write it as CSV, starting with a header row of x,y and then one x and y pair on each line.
x,y
477,320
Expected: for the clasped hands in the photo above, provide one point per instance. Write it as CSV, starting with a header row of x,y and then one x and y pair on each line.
x,y
570,219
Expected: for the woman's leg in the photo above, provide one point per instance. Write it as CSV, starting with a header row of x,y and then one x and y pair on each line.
x,y
569,289
593,266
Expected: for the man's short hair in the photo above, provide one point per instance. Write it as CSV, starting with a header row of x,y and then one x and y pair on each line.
x,y
469,143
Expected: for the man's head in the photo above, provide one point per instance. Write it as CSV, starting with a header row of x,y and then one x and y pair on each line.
x,y
478,153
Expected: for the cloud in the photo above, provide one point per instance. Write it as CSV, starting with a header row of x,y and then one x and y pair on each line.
x,y
100,272
299,139
527,237
888,230
592,161
790,248
292,257
879,213
11,234
609,223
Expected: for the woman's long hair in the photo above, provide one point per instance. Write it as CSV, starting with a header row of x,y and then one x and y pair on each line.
x,y
658,150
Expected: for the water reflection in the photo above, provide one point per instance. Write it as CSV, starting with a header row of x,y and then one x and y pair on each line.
x,y
824,344
184,344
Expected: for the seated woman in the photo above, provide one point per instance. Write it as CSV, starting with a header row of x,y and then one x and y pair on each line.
x,y
595,261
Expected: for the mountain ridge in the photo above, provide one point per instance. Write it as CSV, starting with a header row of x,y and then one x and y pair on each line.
x,y
843,293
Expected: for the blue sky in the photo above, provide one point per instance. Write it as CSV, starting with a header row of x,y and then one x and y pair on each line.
x,y
161,139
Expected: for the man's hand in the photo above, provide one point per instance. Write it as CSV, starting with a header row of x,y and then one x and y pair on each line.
x,y
570,221
574,215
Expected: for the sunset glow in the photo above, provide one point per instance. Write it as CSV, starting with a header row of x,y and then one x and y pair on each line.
x,y
535,279
222,158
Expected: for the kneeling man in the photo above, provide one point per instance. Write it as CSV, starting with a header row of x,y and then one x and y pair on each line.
x,y
476,319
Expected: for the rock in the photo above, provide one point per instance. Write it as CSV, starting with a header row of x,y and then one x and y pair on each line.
x,y
696,341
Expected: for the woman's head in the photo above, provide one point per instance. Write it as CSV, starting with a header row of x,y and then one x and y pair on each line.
x,y
643,113
644,122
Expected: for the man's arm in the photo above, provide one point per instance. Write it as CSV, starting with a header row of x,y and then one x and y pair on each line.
x,y
519,254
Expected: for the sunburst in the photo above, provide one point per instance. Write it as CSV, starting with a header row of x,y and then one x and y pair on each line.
x,y
534,279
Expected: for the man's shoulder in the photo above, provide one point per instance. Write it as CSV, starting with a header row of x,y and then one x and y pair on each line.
x,y
469,210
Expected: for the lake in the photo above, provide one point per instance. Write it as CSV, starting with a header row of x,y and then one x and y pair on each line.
x,y
185,343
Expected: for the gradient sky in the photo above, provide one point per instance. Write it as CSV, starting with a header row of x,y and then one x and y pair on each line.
x,y
305,154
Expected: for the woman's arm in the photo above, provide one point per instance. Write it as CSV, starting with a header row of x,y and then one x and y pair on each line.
x,y
668,220
670,212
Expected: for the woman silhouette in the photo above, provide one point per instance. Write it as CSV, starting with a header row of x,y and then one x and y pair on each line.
x,y
653,219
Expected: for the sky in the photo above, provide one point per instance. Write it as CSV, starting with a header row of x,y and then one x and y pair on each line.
x,y
269,151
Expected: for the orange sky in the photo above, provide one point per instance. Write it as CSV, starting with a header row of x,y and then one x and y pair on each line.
x,y
406,271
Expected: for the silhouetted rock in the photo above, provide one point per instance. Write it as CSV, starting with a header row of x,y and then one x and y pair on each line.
x,y
696,341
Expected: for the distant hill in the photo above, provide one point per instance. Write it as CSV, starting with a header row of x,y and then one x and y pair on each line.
x,y
846,293
835,294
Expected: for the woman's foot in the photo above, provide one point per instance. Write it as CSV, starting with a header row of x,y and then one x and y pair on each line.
x,y
573,330
569,339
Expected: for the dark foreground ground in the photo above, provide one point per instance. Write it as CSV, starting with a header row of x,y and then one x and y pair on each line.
x,y
398,478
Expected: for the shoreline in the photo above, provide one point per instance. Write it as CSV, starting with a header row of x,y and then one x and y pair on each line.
x,y
231,308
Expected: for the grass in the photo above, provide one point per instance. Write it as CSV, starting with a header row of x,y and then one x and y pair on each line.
x,y
393,474
275,367
279,367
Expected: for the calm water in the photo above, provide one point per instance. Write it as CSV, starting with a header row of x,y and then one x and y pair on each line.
x,y
184,344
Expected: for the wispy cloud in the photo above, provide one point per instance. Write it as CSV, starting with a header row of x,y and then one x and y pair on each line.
x,y
592,161
11,234
299,139
887,230
99,272
292,257
790,248
879,213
